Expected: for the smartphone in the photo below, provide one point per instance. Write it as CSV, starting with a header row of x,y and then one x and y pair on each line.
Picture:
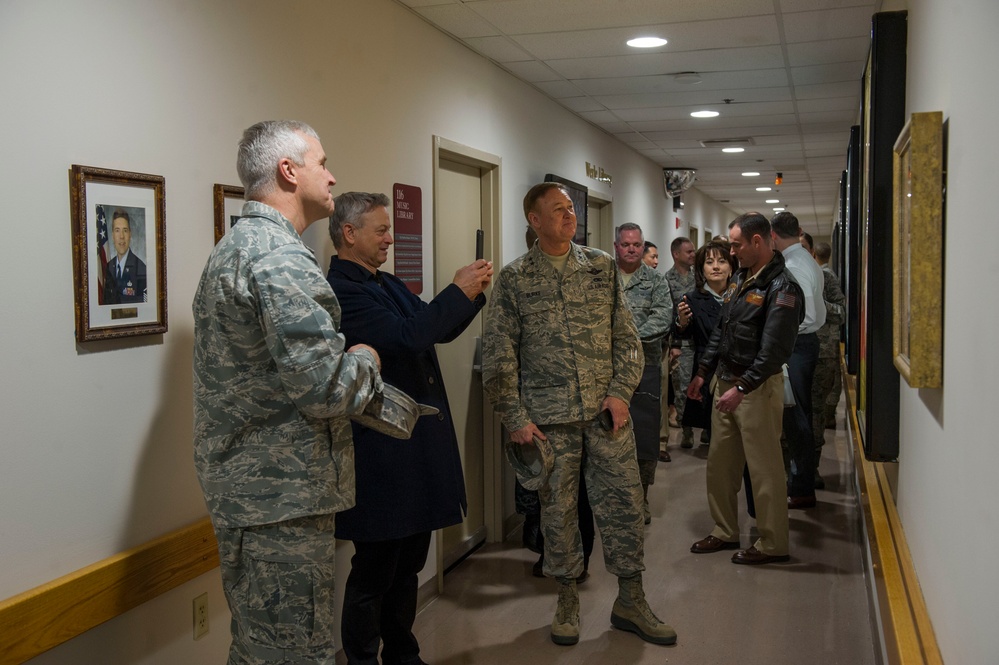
x,y
606,420
478,244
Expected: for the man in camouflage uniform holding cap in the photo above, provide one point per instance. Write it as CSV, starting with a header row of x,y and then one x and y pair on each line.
x,y
560,346
273,389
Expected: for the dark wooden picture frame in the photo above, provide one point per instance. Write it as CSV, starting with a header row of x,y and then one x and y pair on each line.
x,y
118,209
918,242
224,198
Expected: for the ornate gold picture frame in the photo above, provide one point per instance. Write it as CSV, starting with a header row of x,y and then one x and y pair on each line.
x,y
228,202
918,248
119,253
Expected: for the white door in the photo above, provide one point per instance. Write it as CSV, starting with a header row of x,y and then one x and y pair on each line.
x,y
458,216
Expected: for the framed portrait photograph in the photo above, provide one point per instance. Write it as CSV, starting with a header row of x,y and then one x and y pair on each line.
x,y
119,253
228,203
918,243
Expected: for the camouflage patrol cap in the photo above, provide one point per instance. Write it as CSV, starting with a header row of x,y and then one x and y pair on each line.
x,y
531,462
392,412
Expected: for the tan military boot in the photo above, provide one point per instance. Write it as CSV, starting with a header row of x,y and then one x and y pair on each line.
x,y
631,612
565,625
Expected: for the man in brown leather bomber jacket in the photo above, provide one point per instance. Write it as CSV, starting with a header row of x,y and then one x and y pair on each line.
x,y
754,338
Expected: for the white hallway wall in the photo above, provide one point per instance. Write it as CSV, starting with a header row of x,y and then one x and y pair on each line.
x,y
948,452
97,438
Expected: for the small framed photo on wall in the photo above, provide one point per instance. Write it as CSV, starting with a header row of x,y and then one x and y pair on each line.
x,y
119,253
228,203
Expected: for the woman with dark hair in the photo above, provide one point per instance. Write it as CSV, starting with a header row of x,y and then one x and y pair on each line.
x,y
697,317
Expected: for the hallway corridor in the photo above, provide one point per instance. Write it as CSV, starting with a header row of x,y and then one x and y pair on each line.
x,y
811,610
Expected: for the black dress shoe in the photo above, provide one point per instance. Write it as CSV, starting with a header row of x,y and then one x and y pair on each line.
x,y
800,502
664,456
712,544
754,557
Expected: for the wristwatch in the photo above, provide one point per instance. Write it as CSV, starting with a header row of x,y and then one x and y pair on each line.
x,y
741,389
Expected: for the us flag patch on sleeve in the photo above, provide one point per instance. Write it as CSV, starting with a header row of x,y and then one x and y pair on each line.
x,y
786,299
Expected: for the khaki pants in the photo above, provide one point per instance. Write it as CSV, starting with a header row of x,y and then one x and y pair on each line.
x,y
750,435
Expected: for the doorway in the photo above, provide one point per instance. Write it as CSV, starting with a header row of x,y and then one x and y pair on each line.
x,y
466,198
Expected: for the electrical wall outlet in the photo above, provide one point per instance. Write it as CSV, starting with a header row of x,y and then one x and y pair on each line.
x,y
201,615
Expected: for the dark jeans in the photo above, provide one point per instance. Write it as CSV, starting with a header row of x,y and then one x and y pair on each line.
x,y
798,418
379,601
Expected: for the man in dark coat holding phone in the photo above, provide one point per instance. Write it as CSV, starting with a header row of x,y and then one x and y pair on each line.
x,y
405,489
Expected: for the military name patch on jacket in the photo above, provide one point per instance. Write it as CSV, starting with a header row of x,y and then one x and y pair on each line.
x,y
786,299
755,298
537,294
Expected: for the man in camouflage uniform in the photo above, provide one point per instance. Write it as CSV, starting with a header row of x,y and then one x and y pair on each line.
x,y
560,346
827,383
681,354
647,295
273,389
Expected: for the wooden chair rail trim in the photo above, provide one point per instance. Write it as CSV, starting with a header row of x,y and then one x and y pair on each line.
x,y
44,617
908,635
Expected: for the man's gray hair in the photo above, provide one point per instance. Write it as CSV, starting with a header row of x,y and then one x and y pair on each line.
x,y
627,226
350,207
265,144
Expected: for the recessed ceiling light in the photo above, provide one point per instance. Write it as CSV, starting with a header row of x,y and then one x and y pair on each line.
x,y
704,114
751,173
688,78
733,150
773,201
778,210
646,42
763,189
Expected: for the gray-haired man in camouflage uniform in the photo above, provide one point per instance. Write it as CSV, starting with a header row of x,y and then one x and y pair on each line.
x,y
647,295
273,386
560,347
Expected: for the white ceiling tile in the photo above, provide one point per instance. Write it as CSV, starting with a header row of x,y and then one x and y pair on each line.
x,y
843,71
827,24
828,51
499,48
456,20
829,104
532,72
735,59
527,16
824,90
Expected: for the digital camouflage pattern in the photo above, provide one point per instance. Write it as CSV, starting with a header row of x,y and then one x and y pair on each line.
x,y
648,297
682,370
273,385
279,580
615,492
827,383
556,345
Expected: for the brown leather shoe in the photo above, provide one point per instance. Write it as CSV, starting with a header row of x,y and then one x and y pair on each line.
x,y
800,502
712,544
754,557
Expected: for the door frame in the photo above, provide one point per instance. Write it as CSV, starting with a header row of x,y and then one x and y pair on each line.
x,y
491,215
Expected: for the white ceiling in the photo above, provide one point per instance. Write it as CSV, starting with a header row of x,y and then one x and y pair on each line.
x,y
792,69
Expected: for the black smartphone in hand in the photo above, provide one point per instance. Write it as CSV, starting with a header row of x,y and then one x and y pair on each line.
x,y
606,420
478,244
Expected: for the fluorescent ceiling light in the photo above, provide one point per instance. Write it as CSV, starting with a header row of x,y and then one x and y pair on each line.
x,y
778,210
751,173
763,189
646,42
773,201
733,150
704,114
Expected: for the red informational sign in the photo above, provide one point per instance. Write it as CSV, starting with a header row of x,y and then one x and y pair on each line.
x,y
407,213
